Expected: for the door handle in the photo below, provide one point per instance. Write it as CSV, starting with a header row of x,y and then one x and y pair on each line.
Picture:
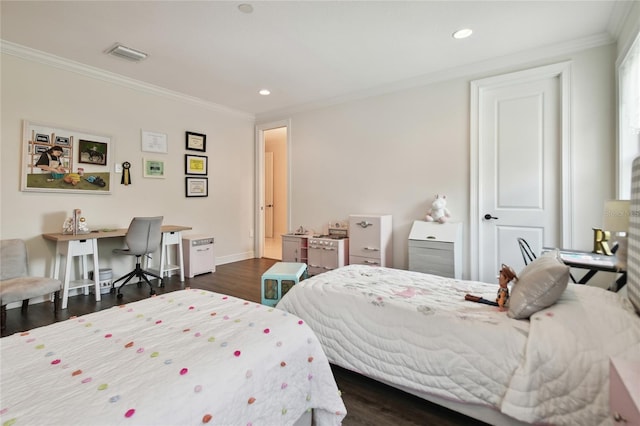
x,y
489,217
269,205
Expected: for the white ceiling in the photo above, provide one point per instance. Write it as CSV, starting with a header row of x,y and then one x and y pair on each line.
x,y
305,52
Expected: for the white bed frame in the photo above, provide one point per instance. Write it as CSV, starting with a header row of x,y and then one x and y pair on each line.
x,y
483,413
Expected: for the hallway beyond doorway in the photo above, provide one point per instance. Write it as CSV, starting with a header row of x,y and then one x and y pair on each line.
x,y
273,248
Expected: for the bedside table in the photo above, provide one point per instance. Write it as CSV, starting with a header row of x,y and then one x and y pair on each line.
x,y
624,391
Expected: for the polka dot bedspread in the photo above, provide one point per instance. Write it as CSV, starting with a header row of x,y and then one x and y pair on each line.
x,y
190,357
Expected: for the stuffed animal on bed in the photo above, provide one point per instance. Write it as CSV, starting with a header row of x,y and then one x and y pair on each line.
x,y
438,211
506,276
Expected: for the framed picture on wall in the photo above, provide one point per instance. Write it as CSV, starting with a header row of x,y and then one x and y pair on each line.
x,y
197,187
92,152
154,142
195,164
65,160
152,168
196,142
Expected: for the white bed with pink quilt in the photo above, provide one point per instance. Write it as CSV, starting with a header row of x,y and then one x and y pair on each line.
x,y
183,358
545,360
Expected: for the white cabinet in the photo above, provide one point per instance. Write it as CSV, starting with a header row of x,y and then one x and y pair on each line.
x,y
199,257
294,248
436,248
370,240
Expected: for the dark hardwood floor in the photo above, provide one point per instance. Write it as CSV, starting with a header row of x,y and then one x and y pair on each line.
x,y
368,402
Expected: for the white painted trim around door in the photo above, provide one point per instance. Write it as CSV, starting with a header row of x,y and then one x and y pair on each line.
x,y
259,184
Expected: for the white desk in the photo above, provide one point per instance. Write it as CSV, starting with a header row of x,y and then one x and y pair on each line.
x,y
82,245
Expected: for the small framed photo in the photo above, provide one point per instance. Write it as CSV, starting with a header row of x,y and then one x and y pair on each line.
x,y
197,187
152,168
195,164
196,142
90,152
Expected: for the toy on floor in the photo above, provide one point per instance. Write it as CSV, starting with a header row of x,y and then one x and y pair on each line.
x,y
506,276
438,211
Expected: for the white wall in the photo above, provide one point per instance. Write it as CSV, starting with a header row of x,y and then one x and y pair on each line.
x,y
392,153
383,154
51,95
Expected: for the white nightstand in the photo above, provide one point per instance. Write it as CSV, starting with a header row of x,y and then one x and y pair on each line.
x,y
624,391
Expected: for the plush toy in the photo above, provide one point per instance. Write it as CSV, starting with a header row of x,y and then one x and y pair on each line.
x,y
438,211
506,276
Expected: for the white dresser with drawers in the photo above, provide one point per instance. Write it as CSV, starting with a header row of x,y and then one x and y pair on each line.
x,y
436,248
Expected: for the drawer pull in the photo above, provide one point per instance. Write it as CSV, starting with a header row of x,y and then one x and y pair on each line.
x,y
431,237
371,249
364,224
618,418
370,262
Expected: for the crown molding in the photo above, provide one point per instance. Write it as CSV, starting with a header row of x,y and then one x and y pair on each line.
x,y
487,66
470,70
619,15
44,58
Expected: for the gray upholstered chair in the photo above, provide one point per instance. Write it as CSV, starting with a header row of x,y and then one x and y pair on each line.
x,y
143,238
16,285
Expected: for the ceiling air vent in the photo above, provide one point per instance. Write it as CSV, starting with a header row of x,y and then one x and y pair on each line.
x,y
127,53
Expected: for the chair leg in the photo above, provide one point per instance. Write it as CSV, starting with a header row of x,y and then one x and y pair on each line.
x,y
139,273
56,298
126,279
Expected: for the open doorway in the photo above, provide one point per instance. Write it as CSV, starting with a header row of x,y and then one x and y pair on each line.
x,y
272,218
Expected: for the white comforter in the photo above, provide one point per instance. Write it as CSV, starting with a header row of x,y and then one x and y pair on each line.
x,y
416,331
187,357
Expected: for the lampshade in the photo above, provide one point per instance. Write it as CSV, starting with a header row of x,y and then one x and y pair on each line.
x,y
616,216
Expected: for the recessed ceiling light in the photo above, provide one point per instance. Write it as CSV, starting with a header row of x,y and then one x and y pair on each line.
x,y
463,33
265,92
245,8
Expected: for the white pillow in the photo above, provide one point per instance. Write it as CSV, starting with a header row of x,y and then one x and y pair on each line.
x,y
539,285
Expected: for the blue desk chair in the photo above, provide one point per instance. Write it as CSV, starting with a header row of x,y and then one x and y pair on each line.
x,y
143,238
